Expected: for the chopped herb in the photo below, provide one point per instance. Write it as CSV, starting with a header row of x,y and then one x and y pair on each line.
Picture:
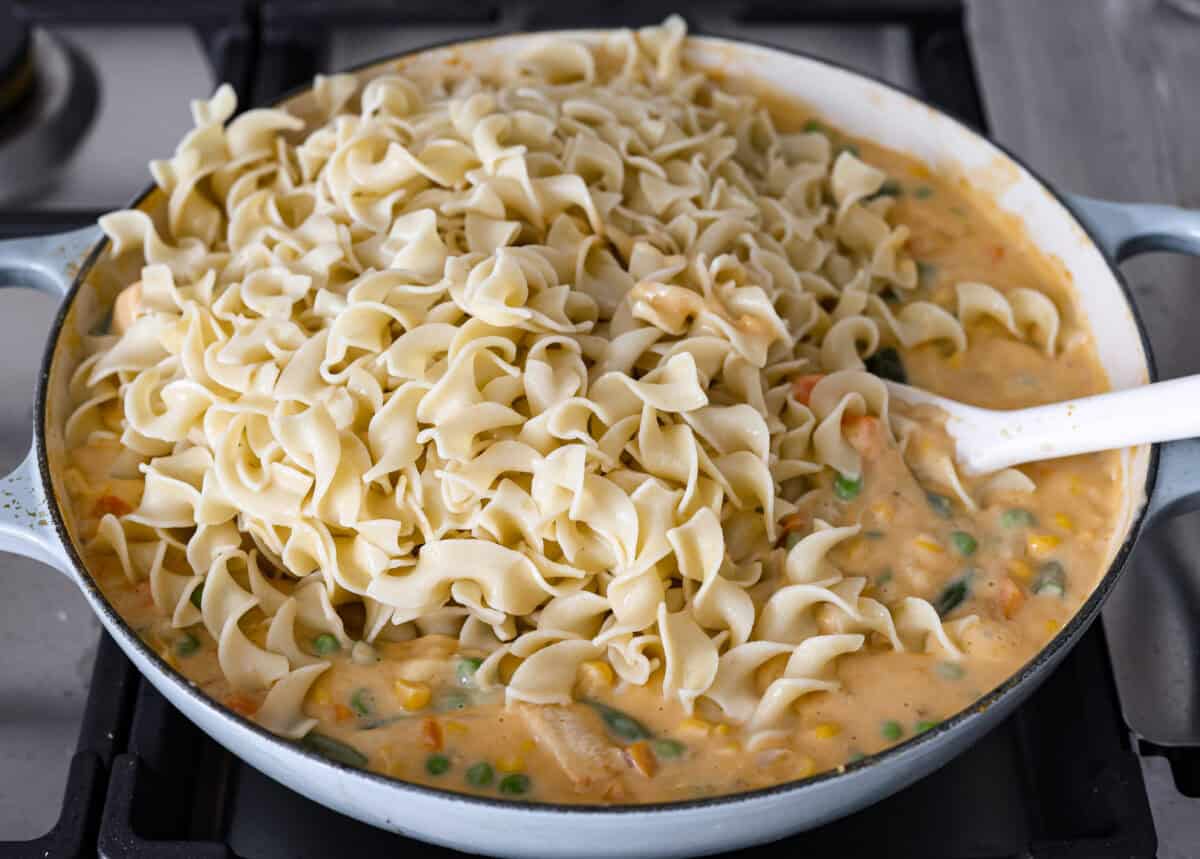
x,y
622,725
452,701
333,749
187,645
515,784
437,764
197,595
887,364
964,542
793,538
951,670
923,192
362,701
480,774
668,748
848,147
927,272
1051,579
467,666
884,578
953,594
1017,518
847,488
923,726
890,188
891,730
940,504
874,535
325,644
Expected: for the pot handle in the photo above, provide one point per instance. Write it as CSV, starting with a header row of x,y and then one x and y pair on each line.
x,y
48,264
1123,230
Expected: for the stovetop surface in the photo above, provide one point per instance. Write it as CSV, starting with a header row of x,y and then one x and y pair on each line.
x,y
1061,778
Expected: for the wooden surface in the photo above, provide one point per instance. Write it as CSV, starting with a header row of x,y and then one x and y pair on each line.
x,y
1100,96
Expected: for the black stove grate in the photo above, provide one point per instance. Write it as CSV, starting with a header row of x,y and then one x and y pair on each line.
x,y
1058,779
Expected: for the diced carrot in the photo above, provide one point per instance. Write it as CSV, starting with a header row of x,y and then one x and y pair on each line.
x,y
1011,597
242,704
642,758
431,734
802,387
794,522
341,712
111,504
864,433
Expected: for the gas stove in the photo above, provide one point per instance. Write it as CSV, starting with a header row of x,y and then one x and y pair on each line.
x,y
94,761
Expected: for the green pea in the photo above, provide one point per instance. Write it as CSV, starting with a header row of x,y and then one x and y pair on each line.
x,y
480,774
187,645
362,701
668,748
940,504
515,784
847,488
891,730
197,595
884,578
1051,579
814,126
325,644
467,666
923,726
437,764
923,192
964,542
1017,518
950,670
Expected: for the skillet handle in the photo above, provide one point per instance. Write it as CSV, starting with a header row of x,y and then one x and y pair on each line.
x,y
1123,230
48,264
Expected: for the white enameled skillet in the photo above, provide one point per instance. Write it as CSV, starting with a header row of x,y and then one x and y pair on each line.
x,y
1087,236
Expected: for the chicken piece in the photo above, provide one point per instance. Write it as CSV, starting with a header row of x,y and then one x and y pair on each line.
x,y
579,748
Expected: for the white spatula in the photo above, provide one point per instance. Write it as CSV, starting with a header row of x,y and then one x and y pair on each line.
x,y
987,440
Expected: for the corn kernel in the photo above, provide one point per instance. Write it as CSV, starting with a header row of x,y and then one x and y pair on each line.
x,y
827,730
597,673
722,730
1075,486
928,545
1052,626
1063,521
1020,570
452,727
883,512
694,727
1042,544
528,746
320,695
510,763
413,696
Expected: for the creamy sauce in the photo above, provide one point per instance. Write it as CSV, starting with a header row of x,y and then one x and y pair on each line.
x,y
1022,564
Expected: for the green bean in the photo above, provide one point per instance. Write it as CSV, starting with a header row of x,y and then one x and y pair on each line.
x,y
847,488
480,774
887,364
515,784
437,764
923,726
964,542
1017,518
187,645
362,701
333,749
1051,579
622,725
793,538
953,594
325,644
891,730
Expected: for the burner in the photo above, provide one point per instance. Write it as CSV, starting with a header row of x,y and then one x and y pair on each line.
x,y
48,97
